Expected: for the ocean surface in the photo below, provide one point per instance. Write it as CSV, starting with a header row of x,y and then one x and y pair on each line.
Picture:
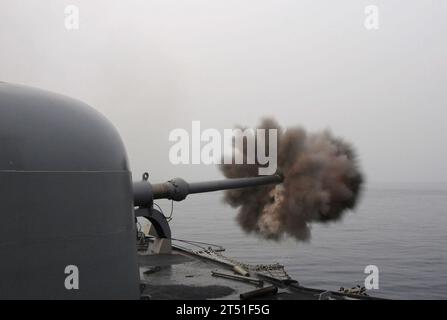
x,y
400,229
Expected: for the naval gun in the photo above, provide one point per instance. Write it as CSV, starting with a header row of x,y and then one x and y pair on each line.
x,y
177,190
67,202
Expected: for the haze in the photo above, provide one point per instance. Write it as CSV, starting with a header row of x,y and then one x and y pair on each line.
x,y
153,66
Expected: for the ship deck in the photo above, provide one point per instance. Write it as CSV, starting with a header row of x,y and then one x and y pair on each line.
x,y
189,275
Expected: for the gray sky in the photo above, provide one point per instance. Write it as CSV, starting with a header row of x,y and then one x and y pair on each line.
x,y
152,66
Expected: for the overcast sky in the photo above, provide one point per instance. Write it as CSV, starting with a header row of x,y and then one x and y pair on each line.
x,y
152,66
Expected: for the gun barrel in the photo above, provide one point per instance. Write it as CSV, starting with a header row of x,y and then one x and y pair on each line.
x,y
235,183
178,189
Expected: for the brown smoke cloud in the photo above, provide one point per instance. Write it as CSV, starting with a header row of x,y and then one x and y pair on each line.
x,y
322,180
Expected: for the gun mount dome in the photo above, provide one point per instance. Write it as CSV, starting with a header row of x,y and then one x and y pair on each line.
x,y
43,131
66,206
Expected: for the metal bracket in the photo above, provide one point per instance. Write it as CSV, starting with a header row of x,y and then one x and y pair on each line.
x,y
157,219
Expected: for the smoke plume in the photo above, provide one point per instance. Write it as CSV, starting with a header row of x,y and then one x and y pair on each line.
x,y
322,180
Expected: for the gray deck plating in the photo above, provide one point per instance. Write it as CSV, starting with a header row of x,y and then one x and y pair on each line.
x,y
183,276
190,279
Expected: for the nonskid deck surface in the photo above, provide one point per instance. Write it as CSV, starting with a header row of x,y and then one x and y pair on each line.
x,y
184,275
